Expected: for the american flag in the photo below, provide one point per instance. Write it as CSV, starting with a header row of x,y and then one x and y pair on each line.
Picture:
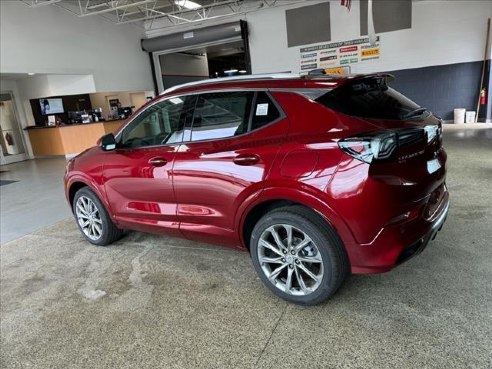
x,y
346,3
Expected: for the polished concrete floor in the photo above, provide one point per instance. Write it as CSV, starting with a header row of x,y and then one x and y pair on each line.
x,y
35,200
157,302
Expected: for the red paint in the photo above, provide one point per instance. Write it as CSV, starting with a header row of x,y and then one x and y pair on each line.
x,y
204,190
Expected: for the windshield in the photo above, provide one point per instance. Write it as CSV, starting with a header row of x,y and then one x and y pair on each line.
x,y
371,98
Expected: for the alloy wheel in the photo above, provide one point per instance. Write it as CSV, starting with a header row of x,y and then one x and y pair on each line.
x,y
290,259
89,217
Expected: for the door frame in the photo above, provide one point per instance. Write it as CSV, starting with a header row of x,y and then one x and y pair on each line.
x,y
5,160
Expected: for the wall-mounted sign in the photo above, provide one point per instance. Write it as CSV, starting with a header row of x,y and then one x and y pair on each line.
x,y
338,70
338,54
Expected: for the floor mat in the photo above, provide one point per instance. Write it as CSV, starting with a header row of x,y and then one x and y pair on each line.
x,y
5,182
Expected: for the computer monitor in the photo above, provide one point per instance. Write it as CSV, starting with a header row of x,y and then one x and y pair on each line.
x,y
51,106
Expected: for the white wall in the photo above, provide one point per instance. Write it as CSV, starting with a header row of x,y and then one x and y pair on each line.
x,y
39,86
49,40
443,32
71,84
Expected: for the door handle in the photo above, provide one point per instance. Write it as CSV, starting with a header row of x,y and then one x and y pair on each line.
x,y
246,159
158,162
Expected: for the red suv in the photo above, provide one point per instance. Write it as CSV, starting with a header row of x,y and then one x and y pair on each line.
x,y
317,177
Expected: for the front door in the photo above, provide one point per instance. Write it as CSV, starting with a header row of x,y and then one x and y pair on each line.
x,y
11,137
138,174
234,140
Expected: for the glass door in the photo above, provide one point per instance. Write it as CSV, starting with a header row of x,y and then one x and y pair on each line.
x,y
11,137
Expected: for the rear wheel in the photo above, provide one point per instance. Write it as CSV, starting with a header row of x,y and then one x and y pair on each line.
x,y
93,220
298,256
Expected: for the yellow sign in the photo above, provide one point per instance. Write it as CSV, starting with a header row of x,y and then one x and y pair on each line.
x,y
339,70
371,52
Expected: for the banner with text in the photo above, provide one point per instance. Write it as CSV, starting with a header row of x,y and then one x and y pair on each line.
x,y
338,54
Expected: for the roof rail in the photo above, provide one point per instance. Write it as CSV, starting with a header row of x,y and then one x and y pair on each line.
x,y
235,78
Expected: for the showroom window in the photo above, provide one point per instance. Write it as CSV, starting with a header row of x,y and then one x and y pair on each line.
x,y
160,124
221,115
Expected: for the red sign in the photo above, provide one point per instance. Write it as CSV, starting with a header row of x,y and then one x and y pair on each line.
x,y
348,49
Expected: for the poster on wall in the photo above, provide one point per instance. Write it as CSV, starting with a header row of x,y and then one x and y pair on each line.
x,y
338,56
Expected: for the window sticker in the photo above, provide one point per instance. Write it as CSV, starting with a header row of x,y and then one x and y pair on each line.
x,y
262,109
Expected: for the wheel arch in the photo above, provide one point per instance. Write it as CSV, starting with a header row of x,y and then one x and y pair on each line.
x,y
77,182
72,190
274,198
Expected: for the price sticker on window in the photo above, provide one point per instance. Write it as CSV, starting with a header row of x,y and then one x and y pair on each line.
x,y
261,109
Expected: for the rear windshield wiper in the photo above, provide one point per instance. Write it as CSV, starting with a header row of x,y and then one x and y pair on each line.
x,y
415,113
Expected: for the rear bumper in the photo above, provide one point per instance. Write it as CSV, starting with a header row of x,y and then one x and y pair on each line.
x,y
395,245
421,244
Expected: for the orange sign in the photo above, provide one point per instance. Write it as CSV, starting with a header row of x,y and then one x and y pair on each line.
x,y
371,52
339,70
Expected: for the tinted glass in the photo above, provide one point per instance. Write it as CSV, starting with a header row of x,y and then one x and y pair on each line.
x,y
220,115
369,98
264,111
160,124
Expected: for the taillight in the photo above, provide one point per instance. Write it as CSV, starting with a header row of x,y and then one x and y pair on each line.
x,y
371,147
383,145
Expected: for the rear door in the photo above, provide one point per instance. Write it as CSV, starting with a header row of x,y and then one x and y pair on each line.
x,y
234,140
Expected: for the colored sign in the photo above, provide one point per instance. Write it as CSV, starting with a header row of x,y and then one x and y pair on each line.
x,y
337,70
328,58
309,66
338,56
370,52
348,49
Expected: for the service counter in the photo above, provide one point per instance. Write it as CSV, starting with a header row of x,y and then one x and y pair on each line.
x,y
69,139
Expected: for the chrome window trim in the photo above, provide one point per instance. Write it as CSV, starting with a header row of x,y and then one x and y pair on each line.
x,y
235,89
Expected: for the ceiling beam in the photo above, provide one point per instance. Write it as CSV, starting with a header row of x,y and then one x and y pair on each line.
x,y
180,13
38,3
113,6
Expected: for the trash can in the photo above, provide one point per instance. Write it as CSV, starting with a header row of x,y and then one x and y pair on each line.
x,y
470,117
459,116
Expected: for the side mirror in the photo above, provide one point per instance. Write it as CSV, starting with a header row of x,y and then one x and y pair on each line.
x,y
108,142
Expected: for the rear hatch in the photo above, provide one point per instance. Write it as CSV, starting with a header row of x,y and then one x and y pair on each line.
x,y
403,141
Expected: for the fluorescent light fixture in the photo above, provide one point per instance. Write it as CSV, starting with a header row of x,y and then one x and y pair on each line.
x,y
187,4
31,74
242,71
231,71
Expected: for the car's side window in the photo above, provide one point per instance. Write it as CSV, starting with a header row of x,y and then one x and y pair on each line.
x,y
162,123
264,111
220,115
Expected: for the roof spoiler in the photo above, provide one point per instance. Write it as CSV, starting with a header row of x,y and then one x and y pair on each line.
x,y
321,73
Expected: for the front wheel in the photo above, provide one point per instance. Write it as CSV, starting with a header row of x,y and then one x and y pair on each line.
x,y
298,256
93,220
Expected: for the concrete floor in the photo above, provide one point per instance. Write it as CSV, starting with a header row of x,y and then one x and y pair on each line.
x,y
35,200
156,302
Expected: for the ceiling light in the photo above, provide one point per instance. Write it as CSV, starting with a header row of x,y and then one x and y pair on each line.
x,y
31,74
242,71
231,71
187,4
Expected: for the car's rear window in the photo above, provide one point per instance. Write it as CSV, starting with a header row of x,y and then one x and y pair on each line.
x,y
368,98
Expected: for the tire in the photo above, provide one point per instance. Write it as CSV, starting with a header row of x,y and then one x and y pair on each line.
x,y
92,210
320,251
